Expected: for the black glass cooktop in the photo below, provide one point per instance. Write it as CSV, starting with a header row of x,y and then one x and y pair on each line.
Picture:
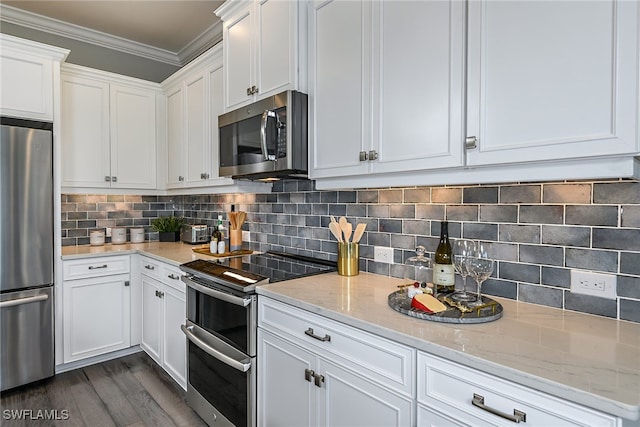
x,y
247,272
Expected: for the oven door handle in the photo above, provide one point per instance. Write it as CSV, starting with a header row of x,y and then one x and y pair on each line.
x,y
242,302
235,364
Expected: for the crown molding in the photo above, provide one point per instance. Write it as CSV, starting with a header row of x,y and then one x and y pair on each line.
x,y
34,21
209,37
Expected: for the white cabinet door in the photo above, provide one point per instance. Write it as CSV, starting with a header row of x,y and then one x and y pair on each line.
x,y
339,87
216,105
174,345
350,400
276,53
175,136
28,76
108,130
197,133
418,73
96,316
427,417
396,103
239,51
285,397
544,85
264,41
152,318
133,137
85,132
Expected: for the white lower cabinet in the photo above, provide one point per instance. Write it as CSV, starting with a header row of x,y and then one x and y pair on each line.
x,y
450,394
96,301
163,311
315,371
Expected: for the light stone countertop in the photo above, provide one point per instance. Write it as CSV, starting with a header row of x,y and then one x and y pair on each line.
x,y
586,359
174,253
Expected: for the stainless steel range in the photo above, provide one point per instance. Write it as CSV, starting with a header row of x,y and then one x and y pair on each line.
x,y
221,325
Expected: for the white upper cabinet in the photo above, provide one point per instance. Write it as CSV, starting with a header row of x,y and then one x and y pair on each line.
x,y
433,92
262,41
552,80
29,72
108,130
386,86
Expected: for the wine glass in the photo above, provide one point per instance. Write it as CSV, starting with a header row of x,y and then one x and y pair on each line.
x,y
480,267
462,249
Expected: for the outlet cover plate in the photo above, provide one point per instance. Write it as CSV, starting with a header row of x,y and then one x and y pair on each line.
x,y
382,254
594,284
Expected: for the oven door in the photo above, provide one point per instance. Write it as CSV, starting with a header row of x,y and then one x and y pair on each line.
x,y
229,317
221,380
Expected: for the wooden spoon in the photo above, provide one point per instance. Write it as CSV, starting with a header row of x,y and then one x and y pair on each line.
x,y
343,226
357,235
242,216
347,232
335,230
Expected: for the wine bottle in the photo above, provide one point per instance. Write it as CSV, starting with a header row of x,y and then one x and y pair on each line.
x,y
443,269
215,238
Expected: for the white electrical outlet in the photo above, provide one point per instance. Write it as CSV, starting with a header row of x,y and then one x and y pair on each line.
x,y
594,284
246,236
382,254
107,232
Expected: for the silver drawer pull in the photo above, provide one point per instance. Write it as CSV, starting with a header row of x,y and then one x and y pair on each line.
x,y
517,416
149,267
173,276
319,338
95,267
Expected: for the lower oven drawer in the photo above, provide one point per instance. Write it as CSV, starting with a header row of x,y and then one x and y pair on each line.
x,y
223,377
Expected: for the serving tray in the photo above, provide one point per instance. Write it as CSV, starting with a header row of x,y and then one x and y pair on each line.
x,y
455,313
205,251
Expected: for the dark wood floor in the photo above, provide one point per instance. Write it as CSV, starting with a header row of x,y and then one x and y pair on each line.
x,y
129,391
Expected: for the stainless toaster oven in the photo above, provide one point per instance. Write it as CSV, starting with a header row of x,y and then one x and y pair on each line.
x,y
194,234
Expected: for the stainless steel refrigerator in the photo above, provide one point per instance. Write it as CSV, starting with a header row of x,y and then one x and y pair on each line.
x,y
26,252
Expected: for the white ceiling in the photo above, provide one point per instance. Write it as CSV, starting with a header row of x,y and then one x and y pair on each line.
x,y
163,30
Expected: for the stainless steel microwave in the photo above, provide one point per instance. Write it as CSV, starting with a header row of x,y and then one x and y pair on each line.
x,y
267,139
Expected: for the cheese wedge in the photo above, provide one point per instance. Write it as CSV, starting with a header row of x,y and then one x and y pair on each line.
x,y
428,303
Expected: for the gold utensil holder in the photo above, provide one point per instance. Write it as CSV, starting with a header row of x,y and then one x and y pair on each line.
x,y
348,259
235,239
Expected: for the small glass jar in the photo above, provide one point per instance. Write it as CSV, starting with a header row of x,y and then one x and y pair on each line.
x,y
419,269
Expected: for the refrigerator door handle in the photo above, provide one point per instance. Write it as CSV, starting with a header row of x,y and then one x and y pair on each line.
x,y
21,301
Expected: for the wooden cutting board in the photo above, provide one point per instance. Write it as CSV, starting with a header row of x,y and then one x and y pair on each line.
x,y
205,251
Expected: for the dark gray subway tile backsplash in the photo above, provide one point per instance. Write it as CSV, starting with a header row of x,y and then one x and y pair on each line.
x,y
538,231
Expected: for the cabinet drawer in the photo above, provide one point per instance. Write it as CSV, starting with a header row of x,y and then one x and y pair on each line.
x,y
384,361
171,276
443,384
95,267
151,267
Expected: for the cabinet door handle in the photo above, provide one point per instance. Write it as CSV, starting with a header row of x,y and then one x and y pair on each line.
x,y
373,155
318,380
149,267
114,179
173,276
319,338
517,416
126,283
96,267
107,178
157,294
161,294
308,374
471,142
181,178
364,156
249,93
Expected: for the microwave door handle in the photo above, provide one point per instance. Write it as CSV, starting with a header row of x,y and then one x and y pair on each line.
x,y
263,134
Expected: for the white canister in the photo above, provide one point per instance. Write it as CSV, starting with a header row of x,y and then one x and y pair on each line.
x,y
136,235
118,235
96,238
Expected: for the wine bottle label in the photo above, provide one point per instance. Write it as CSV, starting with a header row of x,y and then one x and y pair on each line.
x,y
444,274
